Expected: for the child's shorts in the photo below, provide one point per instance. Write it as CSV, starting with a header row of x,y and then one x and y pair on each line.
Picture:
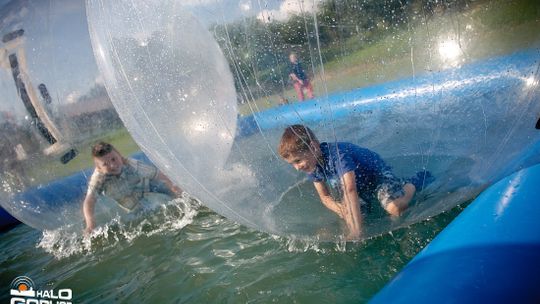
x,y
390,189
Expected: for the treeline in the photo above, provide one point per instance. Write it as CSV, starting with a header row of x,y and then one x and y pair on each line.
x,y
257,50
92,124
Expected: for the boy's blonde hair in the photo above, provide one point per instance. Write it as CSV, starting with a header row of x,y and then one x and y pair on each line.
x,y
296,139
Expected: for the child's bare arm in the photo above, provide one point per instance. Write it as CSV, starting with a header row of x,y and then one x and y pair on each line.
x,y
327,199
295,78
88,211
351,204
176,190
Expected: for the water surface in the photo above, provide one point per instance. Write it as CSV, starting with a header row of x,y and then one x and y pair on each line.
x,y
185,253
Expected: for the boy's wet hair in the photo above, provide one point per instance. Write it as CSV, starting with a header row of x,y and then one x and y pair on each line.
x,y
296,139
101,149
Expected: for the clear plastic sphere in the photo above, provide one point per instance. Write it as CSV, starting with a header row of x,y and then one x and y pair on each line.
x,y
54,106
199,86
205,89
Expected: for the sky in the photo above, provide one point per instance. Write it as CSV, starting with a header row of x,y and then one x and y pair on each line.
x,y
212,11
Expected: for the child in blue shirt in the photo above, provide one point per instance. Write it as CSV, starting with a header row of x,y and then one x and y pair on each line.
x,y
362,174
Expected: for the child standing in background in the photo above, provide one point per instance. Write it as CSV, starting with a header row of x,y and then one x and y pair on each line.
x,y
299,78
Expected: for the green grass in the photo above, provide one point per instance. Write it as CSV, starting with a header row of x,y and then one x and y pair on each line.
x,y
487,29
500,13
44,170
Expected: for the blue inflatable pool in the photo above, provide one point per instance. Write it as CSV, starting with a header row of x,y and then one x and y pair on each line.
x,y
489,254
6,220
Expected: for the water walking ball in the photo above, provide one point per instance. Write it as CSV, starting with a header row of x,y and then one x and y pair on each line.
x,y
53,107
206,90
181,99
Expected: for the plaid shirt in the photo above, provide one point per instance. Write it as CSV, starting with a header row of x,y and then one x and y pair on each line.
x,y
128,187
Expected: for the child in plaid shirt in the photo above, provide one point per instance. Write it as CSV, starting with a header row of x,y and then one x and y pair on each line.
x,y
123,179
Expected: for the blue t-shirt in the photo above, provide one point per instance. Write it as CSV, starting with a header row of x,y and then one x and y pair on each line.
x,y
299,71
342,157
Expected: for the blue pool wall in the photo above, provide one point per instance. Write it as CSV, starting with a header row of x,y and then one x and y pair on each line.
x,y
489,254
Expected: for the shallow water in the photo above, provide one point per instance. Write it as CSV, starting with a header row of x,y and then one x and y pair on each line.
x,y
185,253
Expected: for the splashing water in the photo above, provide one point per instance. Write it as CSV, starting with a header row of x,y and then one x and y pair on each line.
x,y
166,218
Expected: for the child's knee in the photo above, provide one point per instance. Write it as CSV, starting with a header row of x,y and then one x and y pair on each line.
x,y
393,209
410,190
394,195
397,205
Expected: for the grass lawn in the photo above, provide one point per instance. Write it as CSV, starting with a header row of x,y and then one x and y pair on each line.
x,y
43,172
485,30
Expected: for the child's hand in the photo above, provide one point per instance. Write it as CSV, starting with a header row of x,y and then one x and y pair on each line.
x,y
353,236
177,191
89,228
